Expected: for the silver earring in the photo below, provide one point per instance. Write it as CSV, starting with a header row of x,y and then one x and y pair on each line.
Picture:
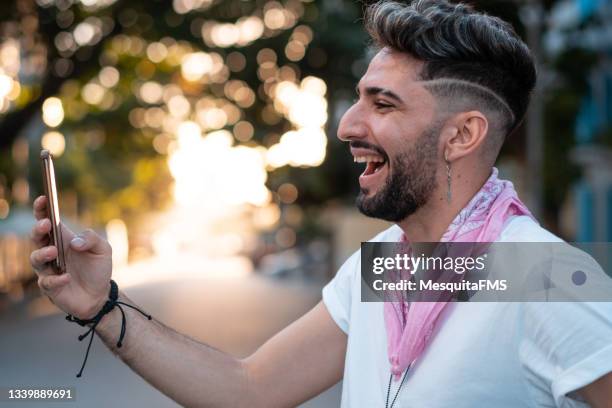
x,y
448,180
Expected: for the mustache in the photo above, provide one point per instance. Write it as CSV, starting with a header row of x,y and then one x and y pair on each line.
x,y
365,145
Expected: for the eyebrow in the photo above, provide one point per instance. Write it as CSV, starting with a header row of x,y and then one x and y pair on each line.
x,y
374,90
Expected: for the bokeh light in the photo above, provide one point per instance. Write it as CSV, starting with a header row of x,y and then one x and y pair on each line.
x,y
109,77
117,236
195,65
53,112
55,142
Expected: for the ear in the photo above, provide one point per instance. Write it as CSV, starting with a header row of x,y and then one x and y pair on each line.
x,y
467,133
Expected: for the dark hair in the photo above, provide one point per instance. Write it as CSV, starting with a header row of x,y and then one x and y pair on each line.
x,y
455,42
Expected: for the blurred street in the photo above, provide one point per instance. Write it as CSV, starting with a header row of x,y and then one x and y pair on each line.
x,y
235,314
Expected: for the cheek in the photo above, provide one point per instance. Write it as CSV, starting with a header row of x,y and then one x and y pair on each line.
x,y
404,128
394,138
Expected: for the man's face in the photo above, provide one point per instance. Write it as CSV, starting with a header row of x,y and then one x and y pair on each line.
x,y
392,129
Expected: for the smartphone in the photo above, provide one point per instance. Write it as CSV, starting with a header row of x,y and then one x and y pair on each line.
x,y
55,236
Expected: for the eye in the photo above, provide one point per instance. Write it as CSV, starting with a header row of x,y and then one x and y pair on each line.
x,y
382,105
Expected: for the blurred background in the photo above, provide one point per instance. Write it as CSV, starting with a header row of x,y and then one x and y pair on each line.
x,y
198,136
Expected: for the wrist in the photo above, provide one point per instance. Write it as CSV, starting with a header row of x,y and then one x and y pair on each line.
x,y
102,323
95,306
109,322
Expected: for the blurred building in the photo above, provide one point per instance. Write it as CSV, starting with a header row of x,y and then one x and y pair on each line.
x,y
586,24
15,250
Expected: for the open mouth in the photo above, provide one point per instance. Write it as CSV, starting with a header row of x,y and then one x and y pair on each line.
x,y
374,163
377,165
375,174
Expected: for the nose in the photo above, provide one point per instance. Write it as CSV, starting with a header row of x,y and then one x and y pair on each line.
x,y
352,124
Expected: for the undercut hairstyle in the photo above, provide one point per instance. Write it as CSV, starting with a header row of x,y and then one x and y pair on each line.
x,y
471,61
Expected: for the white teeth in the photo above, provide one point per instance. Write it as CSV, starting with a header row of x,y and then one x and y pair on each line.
x,y
367,159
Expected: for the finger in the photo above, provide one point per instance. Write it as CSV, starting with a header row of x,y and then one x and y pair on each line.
x,y
67,234
40,232
50,283
47,270
39,258
88,240
40,207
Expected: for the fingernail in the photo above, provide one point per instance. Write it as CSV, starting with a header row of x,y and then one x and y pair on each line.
x,y
78,242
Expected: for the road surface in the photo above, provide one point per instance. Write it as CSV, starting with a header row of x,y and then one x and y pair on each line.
x,y
234,314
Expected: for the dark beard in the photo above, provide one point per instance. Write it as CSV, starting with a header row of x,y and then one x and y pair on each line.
x,y
409,185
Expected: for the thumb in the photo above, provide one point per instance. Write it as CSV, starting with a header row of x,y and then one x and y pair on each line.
x,y
88,240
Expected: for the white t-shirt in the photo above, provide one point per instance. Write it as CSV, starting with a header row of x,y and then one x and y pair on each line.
x,y
482,354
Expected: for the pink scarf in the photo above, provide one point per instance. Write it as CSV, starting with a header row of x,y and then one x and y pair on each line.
x,y
410,325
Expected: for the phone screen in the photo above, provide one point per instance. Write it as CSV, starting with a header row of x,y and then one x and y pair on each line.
x,y
54,215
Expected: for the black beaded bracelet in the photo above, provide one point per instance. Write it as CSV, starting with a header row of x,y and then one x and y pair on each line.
x,y
110,304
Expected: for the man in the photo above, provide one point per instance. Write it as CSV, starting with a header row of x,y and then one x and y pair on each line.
x,y
446,87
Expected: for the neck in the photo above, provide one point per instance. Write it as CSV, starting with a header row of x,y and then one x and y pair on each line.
x,y
431,221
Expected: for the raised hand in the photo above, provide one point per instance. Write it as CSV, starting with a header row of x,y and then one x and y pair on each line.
x,y
84,288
